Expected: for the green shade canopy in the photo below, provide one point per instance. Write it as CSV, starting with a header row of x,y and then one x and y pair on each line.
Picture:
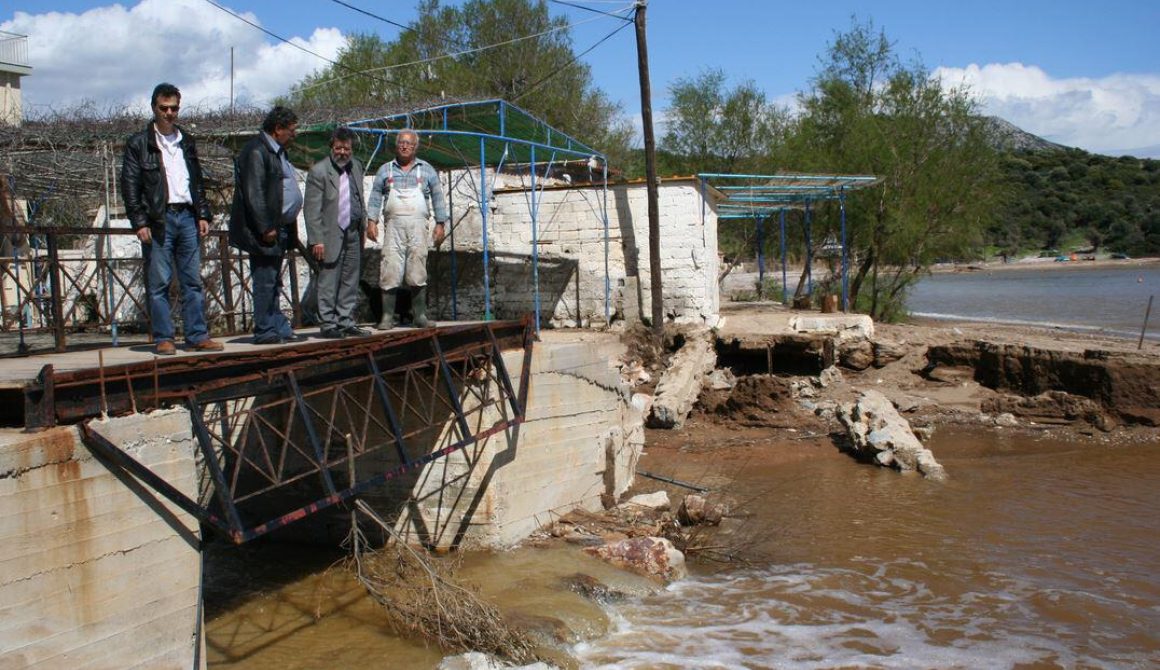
x,y
487,132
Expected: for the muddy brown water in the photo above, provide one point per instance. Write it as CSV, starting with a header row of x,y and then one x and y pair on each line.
x,y
1037,553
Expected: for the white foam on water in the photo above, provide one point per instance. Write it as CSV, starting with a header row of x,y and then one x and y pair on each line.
x,y
809,617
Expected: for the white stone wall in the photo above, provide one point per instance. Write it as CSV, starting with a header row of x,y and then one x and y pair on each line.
x,y
95,573
571,245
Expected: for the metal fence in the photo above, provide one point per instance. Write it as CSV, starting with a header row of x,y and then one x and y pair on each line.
x,y
13,49
59,283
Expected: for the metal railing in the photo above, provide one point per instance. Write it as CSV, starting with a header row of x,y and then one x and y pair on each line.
x,y
50,288
13,49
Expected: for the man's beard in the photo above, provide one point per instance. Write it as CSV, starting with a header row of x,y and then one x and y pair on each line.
x,y
342,162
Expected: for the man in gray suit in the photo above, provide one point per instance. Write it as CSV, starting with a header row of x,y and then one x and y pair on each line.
x,y
334,215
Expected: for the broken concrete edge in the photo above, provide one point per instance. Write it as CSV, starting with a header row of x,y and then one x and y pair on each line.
x,y
682,381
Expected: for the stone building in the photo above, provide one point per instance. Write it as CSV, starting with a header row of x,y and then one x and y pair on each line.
x,y
570,242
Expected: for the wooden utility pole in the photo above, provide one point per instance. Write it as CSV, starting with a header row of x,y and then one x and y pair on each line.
x,y
650,168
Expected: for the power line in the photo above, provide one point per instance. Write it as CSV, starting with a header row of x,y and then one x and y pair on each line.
x,y
320,56
589,9
456,54
571,62
368,72
372,15
271,34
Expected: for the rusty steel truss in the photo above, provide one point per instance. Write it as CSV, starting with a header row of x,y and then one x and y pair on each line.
x,y
284,434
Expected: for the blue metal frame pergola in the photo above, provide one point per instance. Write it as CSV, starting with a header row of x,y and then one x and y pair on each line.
x,y
489,133
758,197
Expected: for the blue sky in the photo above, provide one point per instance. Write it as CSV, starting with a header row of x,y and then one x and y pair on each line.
x,y
1085,74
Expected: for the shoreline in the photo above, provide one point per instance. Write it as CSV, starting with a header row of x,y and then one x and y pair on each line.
x,y
1024,264
1059,330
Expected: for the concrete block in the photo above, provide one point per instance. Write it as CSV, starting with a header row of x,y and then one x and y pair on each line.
x,y
681,384
95,569
845,326
580,439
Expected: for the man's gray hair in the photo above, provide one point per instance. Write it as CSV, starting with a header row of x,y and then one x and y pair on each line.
x,y
407,131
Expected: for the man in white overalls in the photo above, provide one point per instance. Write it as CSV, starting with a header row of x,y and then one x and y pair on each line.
x,y
411,189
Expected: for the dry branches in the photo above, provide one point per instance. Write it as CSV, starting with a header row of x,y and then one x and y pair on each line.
x,y
421,597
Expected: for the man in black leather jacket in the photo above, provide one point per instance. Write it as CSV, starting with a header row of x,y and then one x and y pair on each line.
x,y
263,219
166,204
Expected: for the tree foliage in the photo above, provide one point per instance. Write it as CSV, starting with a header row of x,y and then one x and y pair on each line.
x,y
1064,199
866,112
870,113
449,53
712,128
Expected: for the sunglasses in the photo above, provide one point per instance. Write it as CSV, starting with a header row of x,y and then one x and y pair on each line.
x,y
169,108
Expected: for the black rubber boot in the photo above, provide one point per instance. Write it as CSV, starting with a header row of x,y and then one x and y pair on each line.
x,y
419,307
389,320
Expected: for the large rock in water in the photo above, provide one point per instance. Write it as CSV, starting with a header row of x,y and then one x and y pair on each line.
x,y
649,556
879,432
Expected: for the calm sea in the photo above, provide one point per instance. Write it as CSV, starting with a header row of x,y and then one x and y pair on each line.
x,y
1069,296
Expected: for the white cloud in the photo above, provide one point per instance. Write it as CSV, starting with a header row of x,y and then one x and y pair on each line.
x,y
1116,114
114,56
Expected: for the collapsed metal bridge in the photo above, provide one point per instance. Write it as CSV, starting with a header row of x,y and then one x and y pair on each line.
x,y
285,433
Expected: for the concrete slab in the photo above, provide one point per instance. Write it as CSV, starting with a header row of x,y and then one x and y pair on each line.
x,y
744,321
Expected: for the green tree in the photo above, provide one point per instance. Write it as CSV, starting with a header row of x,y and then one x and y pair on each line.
x,y
1066,195
449,53
712,128
869,113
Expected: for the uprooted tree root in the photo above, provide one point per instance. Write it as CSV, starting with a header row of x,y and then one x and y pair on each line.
x,y
421,597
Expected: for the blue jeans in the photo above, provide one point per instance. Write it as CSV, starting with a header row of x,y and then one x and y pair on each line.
x,y
179,251
270,324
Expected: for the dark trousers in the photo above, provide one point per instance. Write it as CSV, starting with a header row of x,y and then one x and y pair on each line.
x,y
270,324
338,283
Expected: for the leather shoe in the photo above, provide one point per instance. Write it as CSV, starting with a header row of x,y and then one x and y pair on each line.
x,y
207,345
332,333
166,348
355,331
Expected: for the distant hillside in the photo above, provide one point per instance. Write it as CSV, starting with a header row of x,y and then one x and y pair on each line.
x,y
1007,136
1068,198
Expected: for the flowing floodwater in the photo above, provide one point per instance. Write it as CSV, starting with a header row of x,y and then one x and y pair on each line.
x,y
1035,554
1111,300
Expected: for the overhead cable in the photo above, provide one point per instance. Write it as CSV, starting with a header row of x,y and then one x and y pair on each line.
x,y
572,61
337,64
271,34
372,15
589,9
456,54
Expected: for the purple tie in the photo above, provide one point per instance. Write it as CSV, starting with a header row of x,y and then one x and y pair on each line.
x,y
344,200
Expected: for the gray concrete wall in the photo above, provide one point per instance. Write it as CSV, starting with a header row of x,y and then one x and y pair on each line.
x,y
95,570
581,439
